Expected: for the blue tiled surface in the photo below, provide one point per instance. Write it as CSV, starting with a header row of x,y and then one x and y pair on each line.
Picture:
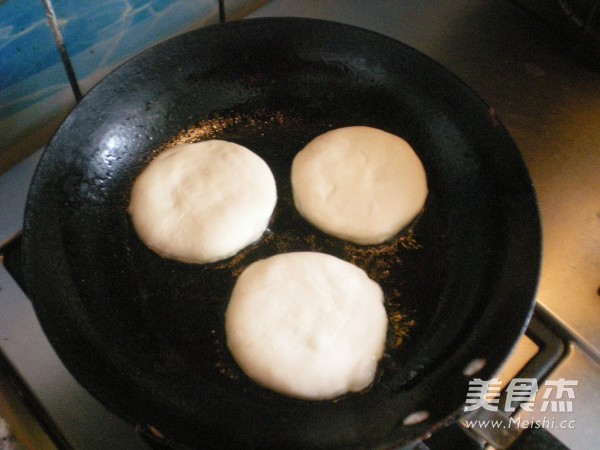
x,y
26,43
99,35
30,66
34,90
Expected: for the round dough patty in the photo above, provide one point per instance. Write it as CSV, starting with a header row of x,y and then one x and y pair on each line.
x,y
359,183
203,202
307,325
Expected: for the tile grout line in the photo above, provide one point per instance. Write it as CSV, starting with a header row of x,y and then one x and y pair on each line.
x,y
222,18
60,44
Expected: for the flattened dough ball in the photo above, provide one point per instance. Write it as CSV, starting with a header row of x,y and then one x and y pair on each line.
x,y
359,183
203,202
307,325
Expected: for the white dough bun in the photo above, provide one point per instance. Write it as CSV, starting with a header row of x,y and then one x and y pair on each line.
x,y
307,325
204,202
360,184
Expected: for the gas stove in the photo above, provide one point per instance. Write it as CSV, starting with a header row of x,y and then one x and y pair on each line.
x,y
548,98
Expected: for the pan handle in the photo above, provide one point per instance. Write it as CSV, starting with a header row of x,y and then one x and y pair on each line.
x,y
458,435
455,436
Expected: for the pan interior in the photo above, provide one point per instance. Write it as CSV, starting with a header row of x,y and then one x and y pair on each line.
x,y
159,324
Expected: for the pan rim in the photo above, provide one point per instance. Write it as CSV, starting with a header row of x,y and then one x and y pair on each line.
x,y
469,348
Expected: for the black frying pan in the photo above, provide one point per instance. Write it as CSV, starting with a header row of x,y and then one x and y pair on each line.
x,y
145,335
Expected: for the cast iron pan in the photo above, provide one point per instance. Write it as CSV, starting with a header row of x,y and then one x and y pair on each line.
x,y
145,335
